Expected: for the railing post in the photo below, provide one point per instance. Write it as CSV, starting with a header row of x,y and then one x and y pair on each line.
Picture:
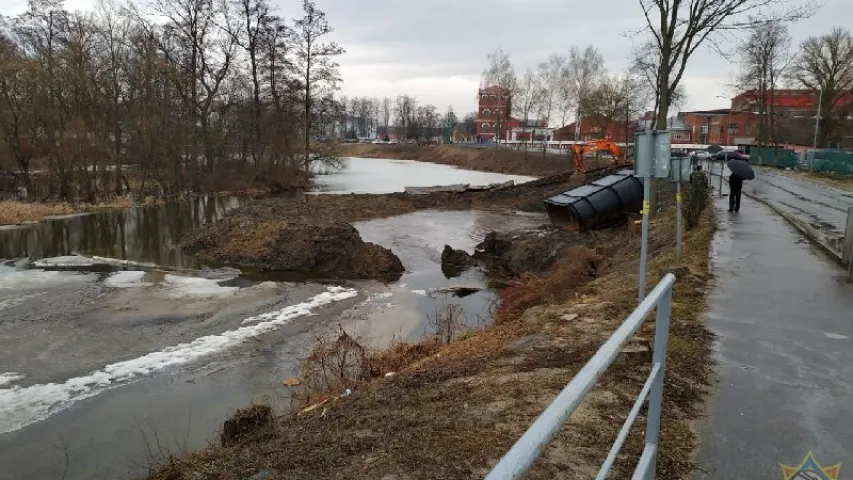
x,y
656,394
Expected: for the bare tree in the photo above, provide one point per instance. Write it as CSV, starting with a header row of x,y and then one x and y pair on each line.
x,y
614,100
387,110
501,74
764,55
315,60
550,77
825,65
585,69
527,98
645,65
679,27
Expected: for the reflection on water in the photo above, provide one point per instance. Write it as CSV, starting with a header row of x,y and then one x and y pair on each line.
x,y
142,234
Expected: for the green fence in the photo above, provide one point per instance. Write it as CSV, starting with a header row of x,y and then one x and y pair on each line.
x,y
831,161
777,157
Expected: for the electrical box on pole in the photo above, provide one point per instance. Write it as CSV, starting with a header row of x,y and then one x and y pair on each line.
x,y
652,151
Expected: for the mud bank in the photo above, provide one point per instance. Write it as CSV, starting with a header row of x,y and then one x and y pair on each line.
x,y
296,234
451,411
334,248
503,160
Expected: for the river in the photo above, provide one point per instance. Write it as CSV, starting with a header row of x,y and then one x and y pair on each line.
x,y
113,360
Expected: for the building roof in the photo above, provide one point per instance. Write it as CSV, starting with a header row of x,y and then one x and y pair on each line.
x,y
672,123
789,98
492,89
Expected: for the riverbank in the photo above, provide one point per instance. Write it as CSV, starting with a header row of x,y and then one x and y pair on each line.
x,y
251,235
14,212
435,410
504,160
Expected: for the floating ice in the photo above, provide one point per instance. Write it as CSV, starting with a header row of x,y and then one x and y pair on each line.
x,y
21,406
65,261
196,287
127,279
10,377
422,293
12,278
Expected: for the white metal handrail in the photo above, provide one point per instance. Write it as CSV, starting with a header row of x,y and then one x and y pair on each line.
x,y
518,461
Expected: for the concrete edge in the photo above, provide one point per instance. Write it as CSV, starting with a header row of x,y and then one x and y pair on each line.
x,y
813,235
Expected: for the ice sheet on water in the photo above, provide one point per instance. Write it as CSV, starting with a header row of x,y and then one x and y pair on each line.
x,y
126,279
13,278
65,261
10,377
21,406
178,286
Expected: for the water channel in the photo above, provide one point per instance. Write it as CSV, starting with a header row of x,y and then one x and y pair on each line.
x,y
108,366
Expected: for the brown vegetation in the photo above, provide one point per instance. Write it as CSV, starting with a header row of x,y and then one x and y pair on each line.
x,y
504,160
452,411
12,212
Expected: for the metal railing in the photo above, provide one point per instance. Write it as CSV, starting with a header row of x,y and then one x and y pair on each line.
x,y
518,461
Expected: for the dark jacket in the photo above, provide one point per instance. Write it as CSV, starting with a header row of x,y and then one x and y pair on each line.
x,y
735,182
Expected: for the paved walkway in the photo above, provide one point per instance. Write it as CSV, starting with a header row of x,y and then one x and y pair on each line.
x,y
784,316
825,209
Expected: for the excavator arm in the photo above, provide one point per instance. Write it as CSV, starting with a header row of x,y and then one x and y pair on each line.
x,y
579,149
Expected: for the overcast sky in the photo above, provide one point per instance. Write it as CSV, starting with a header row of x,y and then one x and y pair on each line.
x,y
436,49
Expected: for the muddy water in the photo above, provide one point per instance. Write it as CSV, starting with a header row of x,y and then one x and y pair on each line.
x,y
103,372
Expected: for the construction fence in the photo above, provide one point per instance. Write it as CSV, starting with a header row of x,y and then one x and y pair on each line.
x,y
830,161
777,157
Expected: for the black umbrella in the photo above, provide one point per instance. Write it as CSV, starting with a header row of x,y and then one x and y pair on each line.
x,y
741,169
714,148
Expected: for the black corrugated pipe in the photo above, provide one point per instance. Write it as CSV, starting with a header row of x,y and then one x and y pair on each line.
x,y
597,204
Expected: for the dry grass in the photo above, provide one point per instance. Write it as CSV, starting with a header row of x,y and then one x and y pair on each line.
x,y
452,411
12,212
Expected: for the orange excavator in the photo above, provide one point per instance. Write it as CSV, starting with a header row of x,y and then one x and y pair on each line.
x,y
579,149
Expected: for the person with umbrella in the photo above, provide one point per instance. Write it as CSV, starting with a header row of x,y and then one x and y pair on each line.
x,y
740,171
735,186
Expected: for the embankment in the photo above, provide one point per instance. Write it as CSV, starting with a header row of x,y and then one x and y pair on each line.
x,y
503,160
452,409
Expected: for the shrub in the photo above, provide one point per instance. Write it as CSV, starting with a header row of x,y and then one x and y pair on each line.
x,y
697,199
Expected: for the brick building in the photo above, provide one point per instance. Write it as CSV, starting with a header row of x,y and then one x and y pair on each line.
x,y
494,111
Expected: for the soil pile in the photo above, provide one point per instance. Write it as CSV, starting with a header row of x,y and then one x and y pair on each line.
x,y
533,250
334,248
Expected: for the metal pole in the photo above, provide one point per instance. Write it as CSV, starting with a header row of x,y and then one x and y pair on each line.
x,y
817,120
678,210
722,172
656,394
644,247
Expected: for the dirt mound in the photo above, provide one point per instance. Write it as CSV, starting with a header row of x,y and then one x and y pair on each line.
x,y
533,250
334,248
246,423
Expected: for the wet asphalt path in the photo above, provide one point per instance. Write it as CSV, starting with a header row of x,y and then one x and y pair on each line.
x,y
823,208
784,316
